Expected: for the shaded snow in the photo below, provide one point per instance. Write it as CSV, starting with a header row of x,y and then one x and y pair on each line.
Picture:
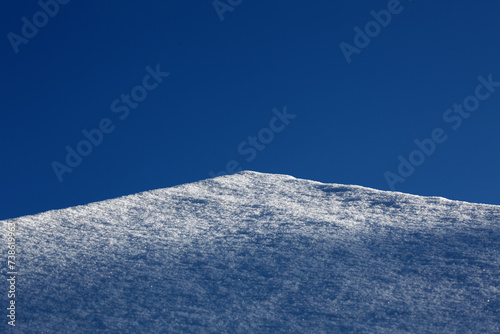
x,y
260,253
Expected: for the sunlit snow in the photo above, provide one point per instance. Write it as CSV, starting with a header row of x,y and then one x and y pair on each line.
x,y
260,253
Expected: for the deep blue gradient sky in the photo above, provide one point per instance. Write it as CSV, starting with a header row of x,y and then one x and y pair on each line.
x,y
353,119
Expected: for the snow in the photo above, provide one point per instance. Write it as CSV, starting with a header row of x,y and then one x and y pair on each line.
x,y
259,253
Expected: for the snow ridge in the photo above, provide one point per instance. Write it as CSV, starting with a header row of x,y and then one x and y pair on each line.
x,y
260,253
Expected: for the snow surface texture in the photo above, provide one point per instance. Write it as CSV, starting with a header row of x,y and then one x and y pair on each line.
x,y
259,253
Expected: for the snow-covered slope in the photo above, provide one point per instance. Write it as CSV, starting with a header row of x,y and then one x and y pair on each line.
x,y
259,253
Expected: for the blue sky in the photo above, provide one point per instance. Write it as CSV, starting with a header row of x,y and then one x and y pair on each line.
x,y
268,88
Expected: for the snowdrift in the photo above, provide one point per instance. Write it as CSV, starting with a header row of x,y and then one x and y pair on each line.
x,y
258,253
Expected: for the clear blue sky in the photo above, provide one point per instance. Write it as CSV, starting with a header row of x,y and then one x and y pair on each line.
x,y
353,120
